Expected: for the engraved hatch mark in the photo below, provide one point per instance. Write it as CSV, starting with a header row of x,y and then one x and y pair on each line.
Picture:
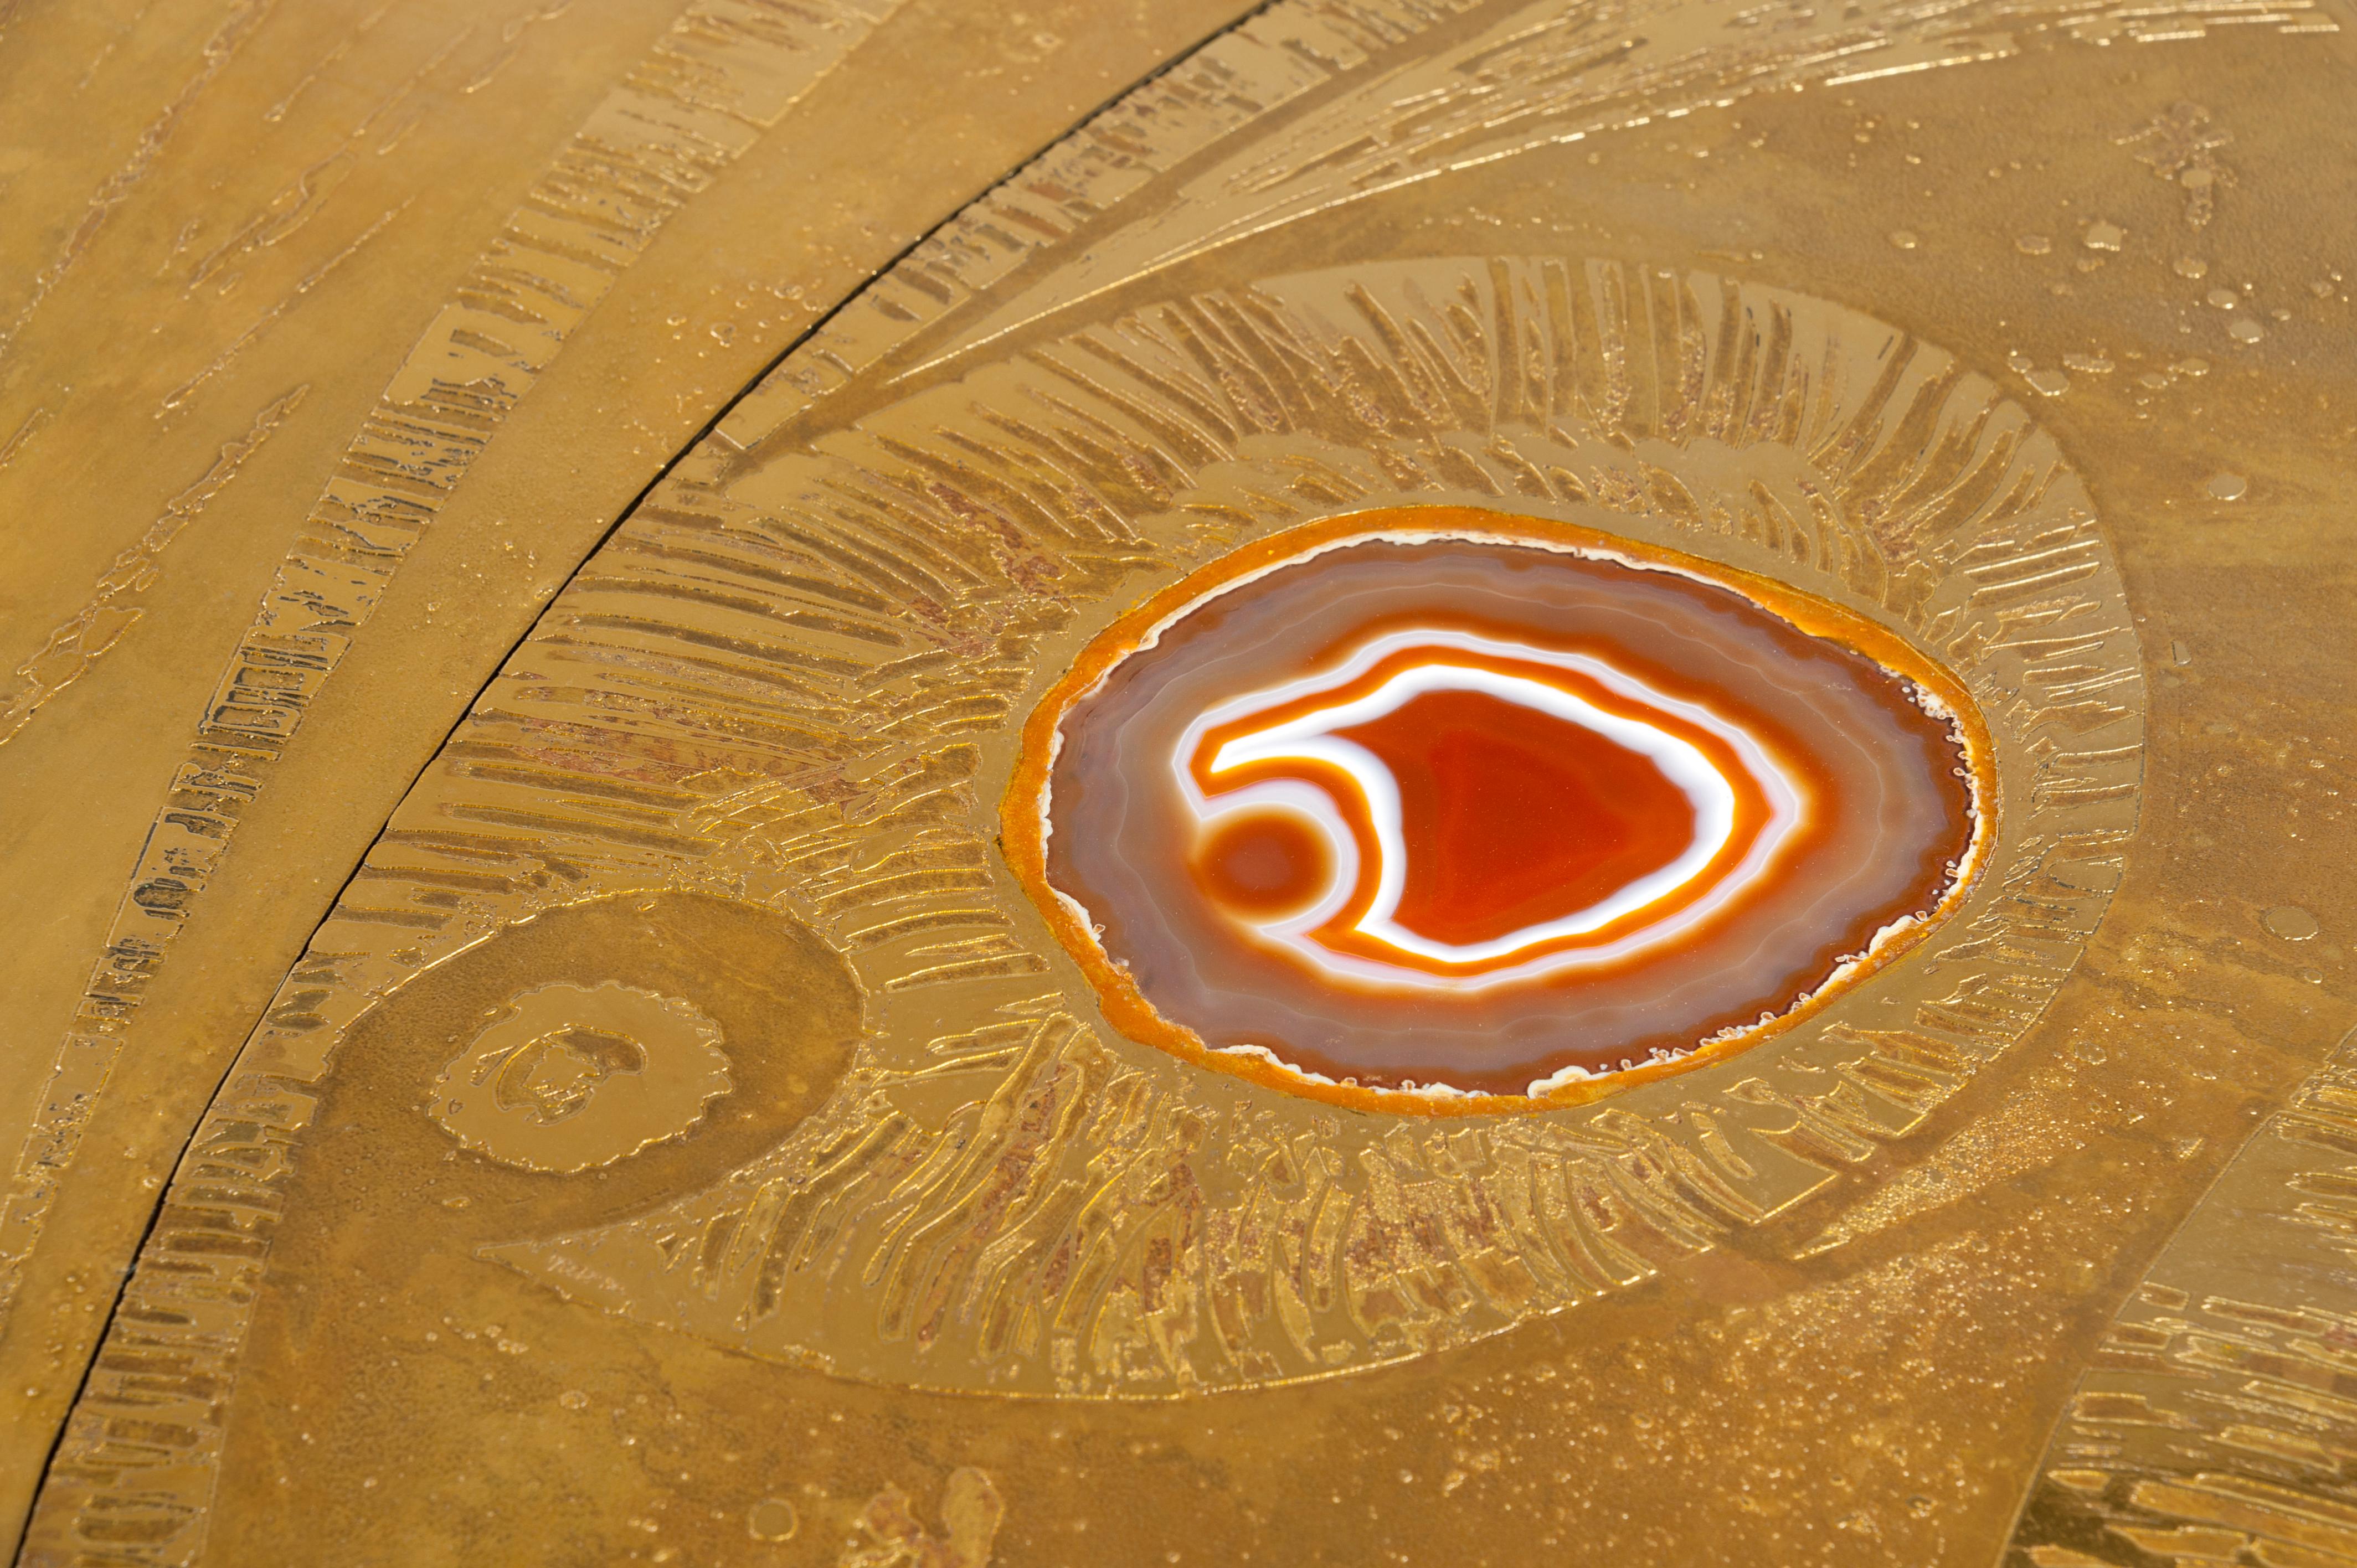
x,y
2214,1424
77,643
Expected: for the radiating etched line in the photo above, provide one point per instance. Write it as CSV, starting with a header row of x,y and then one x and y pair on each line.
x,y
2213,1423
25,430
284,214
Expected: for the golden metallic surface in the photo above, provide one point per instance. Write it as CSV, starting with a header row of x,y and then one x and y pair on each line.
x,y
332,337
683,1141
2213,1421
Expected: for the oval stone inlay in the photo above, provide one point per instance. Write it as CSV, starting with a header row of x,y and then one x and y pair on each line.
x,y
1491,809
1488,811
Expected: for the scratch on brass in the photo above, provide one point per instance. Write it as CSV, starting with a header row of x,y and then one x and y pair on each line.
x,y
76,644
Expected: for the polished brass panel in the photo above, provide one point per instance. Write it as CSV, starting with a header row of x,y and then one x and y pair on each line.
x,y
682,1139
239,237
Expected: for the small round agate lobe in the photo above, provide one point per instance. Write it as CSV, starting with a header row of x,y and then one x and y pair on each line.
x,y
1608,719
1263,864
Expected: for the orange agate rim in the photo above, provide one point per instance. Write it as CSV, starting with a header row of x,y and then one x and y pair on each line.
x,y
1024,826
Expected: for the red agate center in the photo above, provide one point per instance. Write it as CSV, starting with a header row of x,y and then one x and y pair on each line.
x,y
1485,811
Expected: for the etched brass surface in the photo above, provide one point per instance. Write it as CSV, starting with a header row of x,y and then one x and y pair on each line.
x,y
683,1139
332,338
2214,1421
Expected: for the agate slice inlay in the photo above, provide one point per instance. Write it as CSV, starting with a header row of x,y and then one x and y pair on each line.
x,y
1432,807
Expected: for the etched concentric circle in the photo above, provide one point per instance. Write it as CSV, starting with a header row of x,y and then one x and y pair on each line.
x,y
570,1077
978,533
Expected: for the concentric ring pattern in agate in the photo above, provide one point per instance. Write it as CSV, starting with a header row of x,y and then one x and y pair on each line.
x,y
1488,814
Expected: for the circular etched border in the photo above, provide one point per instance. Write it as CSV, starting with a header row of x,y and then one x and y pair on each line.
x,y
1006,517
933,565
682,1069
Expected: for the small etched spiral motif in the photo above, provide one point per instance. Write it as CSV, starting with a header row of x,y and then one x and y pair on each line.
x,y
1489,813
567,1078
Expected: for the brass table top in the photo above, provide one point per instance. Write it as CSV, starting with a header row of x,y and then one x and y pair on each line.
x,y
534,533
